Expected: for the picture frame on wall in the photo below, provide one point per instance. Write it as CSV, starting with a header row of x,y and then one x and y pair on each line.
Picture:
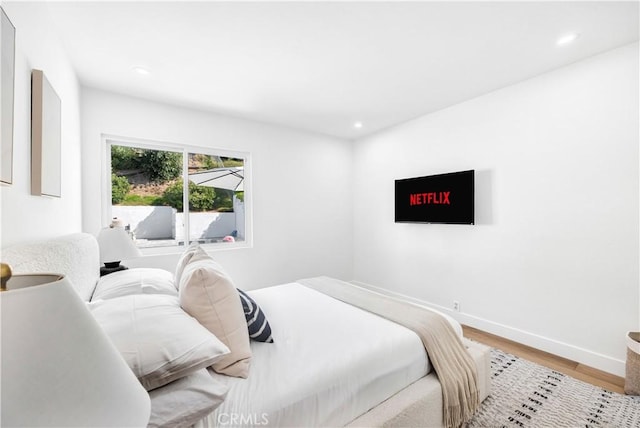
x,y
46,137
7,78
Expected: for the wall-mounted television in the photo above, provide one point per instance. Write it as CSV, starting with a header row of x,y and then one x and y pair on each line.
x,y
443,198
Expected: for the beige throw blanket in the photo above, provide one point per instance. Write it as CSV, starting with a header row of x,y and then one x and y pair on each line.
x,y
454,366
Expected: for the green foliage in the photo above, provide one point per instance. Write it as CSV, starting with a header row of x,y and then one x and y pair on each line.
x,y
157,165
161,166
201,198
139,200
172,195
202,161
240,196
124,158
119,188
230,162
224,200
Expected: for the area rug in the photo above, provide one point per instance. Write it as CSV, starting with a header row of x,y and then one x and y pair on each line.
x,y
527,395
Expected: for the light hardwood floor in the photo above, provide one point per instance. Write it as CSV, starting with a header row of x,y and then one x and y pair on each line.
x,y
571,368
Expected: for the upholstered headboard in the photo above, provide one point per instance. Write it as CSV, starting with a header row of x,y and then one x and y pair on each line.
x,y
76,256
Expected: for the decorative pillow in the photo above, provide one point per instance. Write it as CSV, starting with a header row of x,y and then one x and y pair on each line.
x,y
257,324
185,258
159,341
135,281
184,402
207,294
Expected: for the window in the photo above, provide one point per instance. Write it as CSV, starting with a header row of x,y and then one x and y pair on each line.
x,y
169,196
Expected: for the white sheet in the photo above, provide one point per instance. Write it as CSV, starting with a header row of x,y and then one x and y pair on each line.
x,y
330,363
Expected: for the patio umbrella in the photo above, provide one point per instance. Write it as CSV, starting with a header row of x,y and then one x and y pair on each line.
x,y
230,178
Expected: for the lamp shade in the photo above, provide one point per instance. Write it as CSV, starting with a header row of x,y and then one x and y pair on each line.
x,y
59,369
116,245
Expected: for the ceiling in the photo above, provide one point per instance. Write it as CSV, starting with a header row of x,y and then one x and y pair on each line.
x,y
322,66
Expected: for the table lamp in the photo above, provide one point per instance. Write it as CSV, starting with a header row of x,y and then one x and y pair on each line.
x,y
59,368
115,245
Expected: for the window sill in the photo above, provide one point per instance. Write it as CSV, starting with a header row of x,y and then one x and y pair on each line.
x,y
211,247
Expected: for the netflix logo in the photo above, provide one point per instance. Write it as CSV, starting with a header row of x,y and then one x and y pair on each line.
x,y
441,198
436,198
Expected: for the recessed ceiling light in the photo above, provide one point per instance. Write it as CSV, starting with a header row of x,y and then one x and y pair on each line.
x,y
567,38
142,71
357,125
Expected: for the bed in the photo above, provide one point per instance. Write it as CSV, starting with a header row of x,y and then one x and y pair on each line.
x,y
330,363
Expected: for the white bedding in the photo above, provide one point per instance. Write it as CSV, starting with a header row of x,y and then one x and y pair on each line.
x,y
329,364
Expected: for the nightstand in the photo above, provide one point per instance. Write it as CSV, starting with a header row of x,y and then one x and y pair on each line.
x,y
106,271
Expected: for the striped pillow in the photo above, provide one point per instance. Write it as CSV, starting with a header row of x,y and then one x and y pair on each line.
x,y
259,328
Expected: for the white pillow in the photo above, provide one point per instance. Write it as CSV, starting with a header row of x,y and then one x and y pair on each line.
x,y
185,401
184,260
159,341
207,294
135,281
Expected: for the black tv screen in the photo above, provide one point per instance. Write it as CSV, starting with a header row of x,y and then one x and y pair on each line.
x,y
443,198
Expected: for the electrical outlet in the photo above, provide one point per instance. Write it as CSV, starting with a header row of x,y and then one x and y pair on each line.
x,y
456,306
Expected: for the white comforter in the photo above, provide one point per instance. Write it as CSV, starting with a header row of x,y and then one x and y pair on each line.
x,y
330,363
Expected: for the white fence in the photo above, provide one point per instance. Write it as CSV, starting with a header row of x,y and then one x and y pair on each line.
x,y
165,223
148,222
206,225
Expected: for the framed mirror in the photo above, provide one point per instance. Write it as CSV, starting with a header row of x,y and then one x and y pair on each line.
x,y
46,137
7,74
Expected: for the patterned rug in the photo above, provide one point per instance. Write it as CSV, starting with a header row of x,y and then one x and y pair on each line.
x,y
527,395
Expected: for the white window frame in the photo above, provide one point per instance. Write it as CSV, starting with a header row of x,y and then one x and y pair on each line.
x,y
106,216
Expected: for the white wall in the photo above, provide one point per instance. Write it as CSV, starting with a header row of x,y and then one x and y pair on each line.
x,y
553,258
302,212
26,217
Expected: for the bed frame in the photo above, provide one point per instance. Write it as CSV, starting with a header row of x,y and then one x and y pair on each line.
x,y
420,404
77,257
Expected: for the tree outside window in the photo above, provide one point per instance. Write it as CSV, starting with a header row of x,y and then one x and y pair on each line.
x,y
148,194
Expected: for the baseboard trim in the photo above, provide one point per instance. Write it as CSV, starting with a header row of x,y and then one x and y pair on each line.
x,y
584,356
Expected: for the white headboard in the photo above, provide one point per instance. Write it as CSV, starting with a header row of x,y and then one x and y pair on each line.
x,y
76,256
